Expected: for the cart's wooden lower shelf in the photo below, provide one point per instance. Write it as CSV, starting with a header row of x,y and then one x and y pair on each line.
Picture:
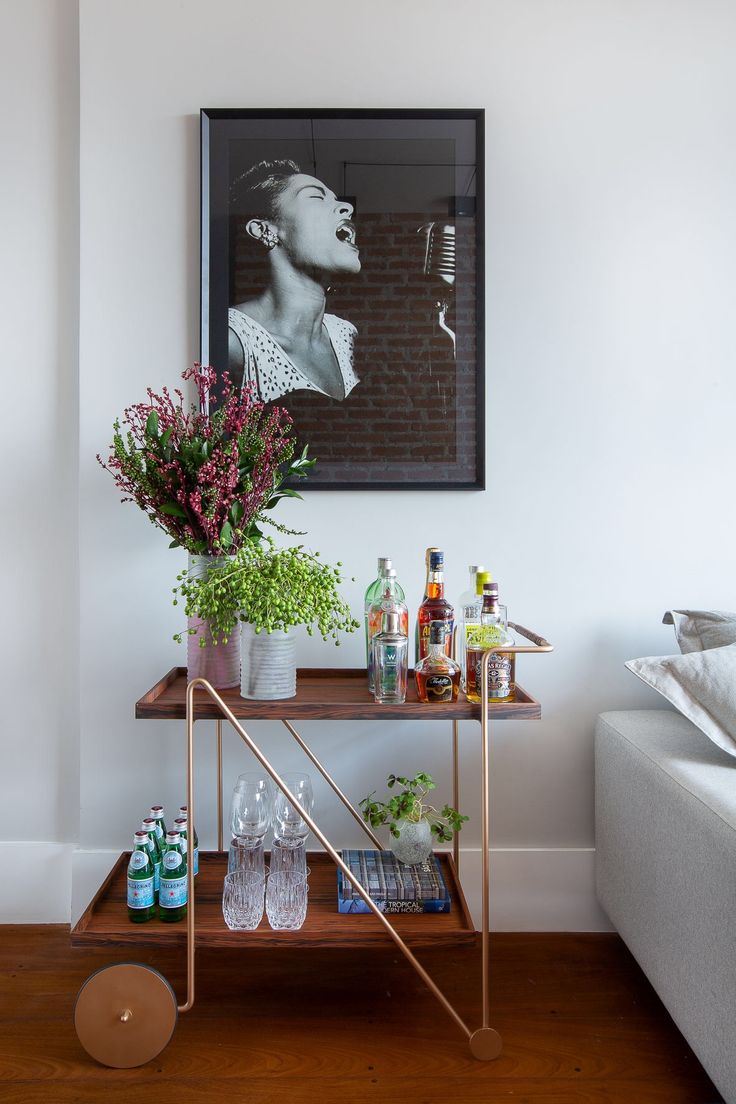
x,y
105,921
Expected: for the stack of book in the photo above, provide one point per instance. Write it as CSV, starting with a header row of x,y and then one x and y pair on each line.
x,y
393,886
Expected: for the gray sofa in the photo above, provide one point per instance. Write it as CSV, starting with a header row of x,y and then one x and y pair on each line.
x,y
666,870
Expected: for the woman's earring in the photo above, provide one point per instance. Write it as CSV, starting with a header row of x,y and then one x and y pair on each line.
x,y
269,237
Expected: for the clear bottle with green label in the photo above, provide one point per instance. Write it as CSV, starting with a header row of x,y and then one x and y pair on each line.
x,y
372,595
141,904
181,825
157,812
469,609
149,827
172,894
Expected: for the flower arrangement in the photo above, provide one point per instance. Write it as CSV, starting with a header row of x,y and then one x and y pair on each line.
x,y
409,805
272,588
205,479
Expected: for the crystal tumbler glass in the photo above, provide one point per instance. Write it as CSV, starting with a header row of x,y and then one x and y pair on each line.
x,y
289,855
246,854
286,900
242,900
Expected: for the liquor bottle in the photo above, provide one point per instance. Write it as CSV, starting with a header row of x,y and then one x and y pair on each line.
x,y
371,595
469,609
184,812
491,632
149,827
390,655
157,812
180,826
437,675
141,905
390,599
172,894
435,606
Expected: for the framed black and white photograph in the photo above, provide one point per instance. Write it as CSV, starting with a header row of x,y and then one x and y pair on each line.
x,y
342,278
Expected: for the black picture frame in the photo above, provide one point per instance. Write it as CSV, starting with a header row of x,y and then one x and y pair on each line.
x,y
414,420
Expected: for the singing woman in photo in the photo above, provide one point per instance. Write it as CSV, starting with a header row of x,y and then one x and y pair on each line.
x,y
282,340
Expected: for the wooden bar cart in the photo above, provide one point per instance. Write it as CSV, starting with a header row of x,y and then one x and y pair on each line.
x,y
125,1014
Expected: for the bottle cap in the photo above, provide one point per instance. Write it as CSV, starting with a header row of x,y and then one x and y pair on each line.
x,y
172,837
384,563
481,578
149,824
157,811
437,632
390,622
182,822
390,573
183,811
476,568
436,559
140,838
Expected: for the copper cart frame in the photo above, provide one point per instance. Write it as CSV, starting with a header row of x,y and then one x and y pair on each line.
x,y
118,1044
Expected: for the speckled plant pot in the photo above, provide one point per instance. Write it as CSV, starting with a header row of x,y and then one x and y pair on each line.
x,y
414,844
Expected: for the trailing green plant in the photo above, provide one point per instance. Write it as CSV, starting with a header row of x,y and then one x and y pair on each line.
x,y
409,805
272,588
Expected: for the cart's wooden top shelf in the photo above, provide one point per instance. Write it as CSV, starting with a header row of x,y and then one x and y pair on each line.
x,y
105,921
324,694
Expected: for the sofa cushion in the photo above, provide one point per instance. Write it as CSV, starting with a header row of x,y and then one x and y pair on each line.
x,y
702,685
697,630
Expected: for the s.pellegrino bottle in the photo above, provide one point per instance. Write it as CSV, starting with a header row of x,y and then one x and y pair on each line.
x,y
157,812
181,826
492,632
470,607
141,904
172,894
435,606
390,649
184,812
149,827
390,599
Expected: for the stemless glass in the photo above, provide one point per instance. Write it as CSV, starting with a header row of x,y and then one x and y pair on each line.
x,y
250,808
289,855
242,900
287,823
286,900
246,854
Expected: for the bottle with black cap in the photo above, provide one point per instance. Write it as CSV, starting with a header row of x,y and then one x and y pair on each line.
x,y
390,660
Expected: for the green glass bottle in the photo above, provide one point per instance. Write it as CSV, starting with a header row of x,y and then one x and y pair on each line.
x,y
157,812
172,894
141,905
149,827
181,824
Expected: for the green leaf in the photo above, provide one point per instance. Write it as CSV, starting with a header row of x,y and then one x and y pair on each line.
x,y
237,511
175,544
173,509
226,535
152,424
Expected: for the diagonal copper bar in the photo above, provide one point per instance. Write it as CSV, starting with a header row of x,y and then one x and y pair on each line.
x,y
204,685
331,782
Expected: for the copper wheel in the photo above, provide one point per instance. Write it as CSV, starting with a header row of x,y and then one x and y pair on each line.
x,y
125,1014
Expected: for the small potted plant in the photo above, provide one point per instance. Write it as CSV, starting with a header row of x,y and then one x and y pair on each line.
x,y
265,591
411,821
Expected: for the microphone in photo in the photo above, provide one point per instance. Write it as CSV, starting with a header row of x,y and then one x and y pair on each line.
x,y
439,266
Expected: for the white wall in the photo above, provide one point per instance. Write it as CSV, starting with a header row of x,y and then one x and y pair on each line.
x,y
610,270
39,280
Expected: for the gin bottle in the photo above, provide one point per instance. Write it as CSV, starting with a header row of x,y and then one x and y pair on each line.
x,y
172,894
390,650
390,599
141,905
437,675
371,595
492,632
470,606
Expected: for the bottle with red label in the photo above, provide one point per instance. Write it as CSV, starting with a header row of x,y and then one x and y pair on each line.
x,y
435,606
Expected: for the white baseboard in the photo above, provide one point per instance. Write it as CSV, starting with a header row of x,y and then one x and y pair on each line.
x,y
37,882
532,889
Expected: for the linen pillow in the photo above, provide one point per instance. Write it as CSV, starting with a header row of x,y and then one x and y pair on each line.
x,y
702,685
697,630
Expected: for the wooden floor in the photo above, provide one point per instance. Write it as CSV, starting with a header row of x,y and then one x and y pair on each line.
x,y
579,1021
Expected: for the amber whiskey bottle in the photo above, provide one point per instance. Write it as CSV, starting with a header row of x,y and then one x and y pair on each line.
x,y
437,675
435,606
